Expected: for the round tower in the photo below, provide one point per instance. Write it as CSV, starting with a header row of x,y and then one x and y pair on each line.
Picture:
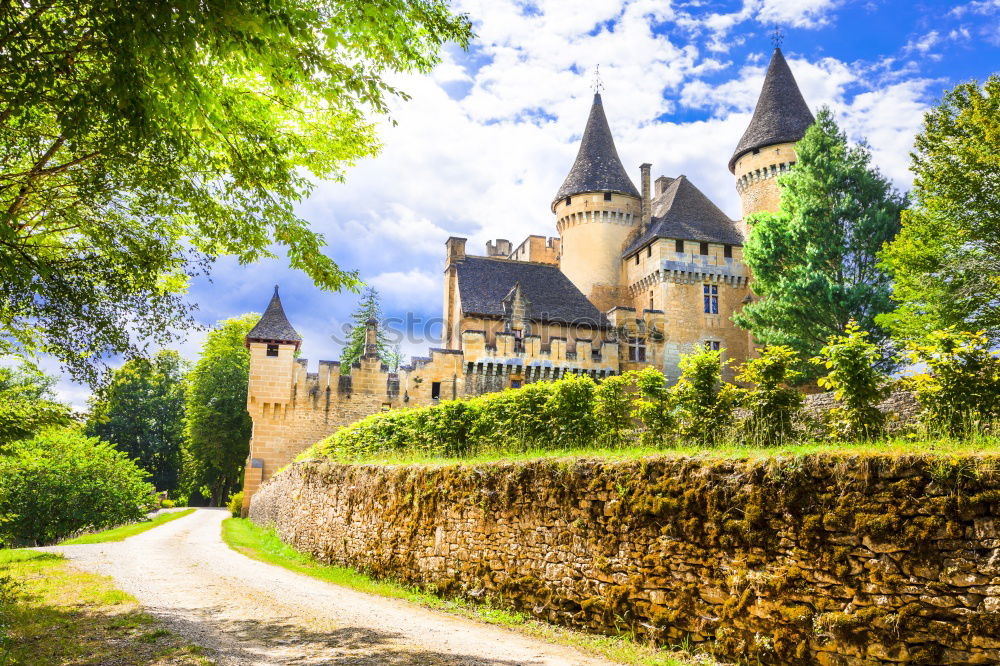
x,y
596,209
767,148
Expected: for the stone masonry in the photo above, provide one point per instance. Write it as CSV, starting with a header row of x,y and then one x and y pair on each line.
x,y
821,559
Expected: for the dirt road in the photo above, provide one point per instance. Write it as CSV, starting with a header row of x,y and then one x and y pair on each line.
x,y
248,612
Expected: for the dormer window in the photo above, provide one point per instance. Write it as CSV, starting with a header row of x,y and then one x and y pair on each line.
x,y
272,350
607,196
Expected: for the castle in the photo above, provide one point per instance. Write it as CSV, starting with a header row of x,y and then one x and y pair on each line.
x,y
636,277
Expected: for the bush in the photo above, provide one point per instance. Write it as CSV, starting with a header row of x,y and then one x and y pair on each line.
x,y
61,482
569,412
857,383
704,406
772,404
613,410
653,407
236,504
961,391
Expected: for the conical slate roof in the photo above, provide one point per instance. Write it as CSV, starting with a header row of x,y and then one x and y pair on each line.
x,y
683,212
597,167
273,325
781,116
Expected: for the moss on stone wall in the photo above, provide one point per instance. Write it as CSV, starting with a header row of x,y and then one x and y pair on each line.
x,y
828,558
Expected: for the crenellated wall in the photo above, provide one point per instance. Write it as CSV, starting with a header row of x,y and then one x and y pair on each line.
x,y
820,559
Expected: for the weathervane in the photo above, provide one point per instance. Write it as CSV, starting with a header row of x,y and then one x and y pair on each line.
x,y
598,84
777,37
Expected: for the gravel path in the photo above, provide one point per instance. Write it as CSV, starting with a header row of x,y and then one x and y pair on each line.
x,y
249,612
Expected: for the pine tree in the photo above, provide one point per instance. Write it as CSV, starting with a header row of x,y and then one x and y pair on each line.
x,y
370,307
814,262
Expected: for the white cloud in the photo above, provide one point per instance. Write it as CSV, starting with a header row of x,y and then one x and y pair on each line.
x,y
977,7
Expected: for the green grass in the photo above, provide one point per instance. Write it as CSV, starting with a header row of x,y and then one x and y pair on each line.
x,y
125,531
261,544
911,445
52,614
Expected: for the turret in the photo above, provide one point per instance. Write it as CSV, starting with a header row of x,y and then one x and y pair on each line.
x,y
767,148
596,209
272,344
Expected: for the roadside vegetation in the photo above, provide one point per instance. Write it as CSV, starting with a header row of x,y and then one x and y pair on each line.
x,y
264,545
126,531
638,413
52,614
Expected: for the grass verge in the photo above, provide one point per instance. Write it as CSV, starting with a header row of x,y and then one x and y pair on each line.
x,y
262,544
125,531
52,614
905,445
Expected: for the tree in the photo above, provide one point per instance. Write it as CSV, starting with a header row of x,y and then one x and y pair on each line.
x,y
946,260
369,308
703,404
61,482
141,412
771,405
217,426
139,139
814,262
27,405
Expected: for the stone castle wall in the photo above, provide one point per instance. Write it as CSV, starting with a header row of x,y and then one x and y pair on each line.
x,y
825,559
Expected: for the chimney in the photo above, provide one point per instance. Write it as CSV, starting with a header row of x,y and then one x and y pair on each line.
x,y
455,250
371,338
646,213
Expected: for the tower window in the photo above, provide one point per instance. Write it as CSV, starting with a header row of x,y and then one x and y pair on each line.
x,y
756,151
607,196
649,250
637,349
636,258
703,248
711,292
569,200
727,251
679,246
272,350
435,390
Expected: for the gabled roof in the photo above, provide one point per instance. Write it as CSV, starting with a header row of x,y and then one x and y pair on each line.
x,y
781,115
683,212
484,283
273,325
597,167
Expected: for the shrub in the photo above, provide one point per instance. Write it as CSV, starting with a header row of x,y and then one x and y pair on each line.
x,y
236,504
10,593
653,407
704,406
61,482
570,412
961,391
772,404
613,410
857,383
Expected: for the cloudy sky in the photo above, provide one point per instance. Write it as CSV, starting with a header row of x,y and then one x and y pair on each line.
x,y
487,138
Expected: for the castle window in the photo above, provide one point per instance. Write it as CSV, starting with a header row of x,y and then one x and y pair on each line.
x,y
435,390
569,200
607,196
272,350
713,345
703,248
637,349
636,258
727,251
679,246
756,151
649,250
515,383
651,301
711,292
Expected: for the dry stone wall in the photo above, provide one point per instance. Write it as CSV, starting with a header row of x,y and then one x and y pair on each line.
x,y
822,559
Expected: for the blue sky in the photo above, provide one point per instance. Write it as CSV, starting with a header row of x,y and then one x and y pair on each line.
x,y
487,138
